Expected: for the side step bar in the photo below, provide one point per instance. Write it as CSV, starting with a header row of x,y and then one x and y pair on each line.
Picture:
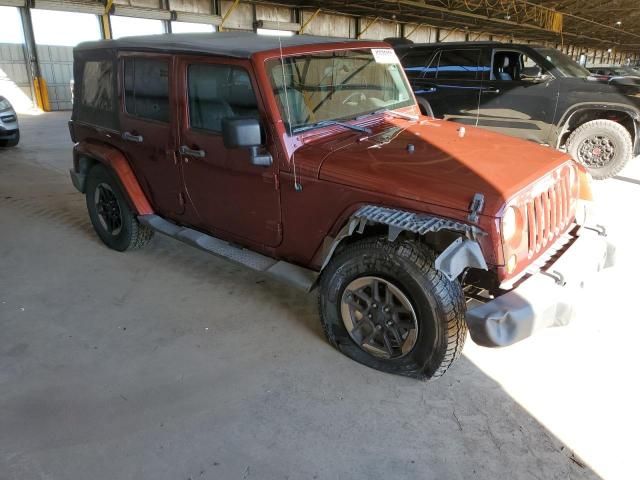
x,y
293,274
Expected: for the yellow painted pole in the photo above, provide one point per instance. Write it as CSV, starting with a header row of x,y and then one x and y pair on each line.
x,y
106,25
42,94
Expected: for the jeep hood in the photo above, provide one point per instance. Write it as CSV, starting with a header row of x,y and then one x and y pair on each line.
x,y
430,162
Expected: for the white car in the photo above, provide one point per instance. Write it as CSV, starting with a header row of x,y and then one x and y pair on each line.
x,y
9,130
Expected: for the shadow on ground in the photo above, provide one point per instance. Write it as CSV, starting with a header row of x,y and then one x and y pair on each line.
x,y
168,363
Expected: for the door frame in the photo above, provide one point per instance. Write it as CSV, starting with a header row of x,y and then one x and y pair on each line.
x,y
268,175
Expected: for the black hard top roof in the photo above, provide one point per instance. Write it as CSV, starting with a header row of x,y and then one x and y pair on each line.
x,y
229,44
489,43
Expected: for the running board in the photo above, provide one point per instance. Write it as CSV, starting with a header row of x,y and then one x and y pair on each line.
x,y
293,274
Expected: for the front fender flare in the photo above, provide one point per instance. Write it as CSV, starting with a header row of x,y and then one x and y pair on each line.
x,y
464,252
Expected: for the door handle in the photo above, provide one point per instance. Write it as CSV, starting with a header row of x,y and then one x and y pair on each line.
x,y
184,150
491,90
130,137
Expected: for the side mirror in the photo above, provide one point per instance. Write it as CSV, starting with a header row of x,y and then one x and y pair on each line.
x,y
239,132
543,77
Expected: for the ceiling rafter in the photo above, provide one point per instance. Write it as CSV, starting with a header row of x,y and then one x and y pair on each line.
x,y
586,22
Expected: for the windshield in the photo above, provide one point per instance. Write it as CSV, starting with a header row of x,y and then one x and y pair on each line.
x,y
565,64
320,87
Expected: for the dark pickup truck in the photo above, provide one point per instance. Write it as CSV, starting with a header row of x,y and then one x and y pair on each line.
x,y
531,92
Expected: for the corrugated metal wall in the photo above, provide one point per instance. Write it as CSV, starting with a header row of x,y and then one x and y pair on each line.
x,y
14,77
56,67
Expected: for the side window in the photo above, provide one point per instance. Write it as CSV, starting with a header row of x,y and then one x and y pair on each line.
x,y
431,70
459,64
415,61
146,88
97,86
216,92
530,69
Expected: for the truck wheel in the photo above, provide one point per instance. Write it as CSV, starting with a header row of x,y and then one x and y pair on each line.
x,y
112,219
385,305
602,146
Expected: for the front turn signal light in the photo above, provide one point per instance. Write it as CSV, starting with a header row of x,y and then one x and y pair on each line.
x,y
584,184
511,264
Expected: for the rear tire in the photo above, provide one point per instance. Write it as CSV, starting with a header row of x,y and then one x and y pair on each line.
x,y
406,269
603,146
113,220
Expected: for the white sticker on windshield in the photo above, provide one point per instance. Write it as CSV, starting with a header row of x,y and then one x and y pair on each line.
x,y
384,55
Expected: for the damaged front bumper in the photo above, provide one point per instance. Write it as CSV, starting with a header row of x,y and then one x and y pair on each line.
x,y
547,298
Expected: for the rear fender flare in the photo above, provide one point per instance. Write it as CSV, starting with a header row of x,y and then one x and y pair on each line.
x,y
565,120
85,153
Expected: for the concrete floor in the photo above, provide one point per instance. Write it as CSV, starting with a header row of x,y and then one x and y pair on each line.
x,y
168,363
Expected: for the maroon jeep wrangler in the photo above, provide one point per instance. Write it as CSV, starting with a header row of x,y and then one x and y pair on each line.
x,y
307,159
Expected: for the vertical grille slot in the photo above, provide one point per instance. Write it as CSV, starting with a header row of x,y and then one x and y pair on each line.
x,y
548,214
553,211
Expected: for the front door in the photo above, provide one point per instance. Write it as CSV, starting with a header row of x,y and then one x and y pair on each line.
x,y
147,125
520,97
228,196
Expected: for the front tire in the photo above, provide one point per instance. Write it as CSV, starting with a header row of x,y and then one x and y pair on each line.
x,y
385,305
112,219
603,146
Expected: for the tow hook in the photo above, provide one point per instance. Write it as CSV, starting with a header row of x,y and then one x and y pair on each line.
x,y
599,229
557,277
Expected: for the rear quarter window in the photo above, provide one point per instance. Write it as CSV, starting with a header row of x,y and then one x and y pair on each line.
x,y
97,86
95,97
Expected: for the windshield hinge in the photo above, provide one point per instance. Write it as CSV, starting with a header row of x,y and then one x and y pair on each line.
x,y
477,204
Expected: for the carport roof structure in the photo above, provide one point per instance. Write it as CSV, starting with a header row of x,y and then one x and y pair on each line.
x,y
589,22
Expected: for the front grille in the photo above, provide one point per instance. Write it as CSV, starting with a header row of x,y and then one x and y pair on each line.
x,y
549,213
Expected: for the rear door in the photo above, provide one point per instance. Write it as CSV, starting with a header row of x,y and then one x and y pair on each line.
x,y
229,196
457,81
522,103
450,81
148,130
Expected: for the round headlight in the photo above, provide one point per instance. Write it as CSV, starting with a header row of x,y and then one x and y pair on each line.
x,y
509,224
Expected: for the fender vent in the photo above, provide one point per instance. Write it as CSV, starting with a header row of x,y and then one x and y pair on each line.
x,y
400,220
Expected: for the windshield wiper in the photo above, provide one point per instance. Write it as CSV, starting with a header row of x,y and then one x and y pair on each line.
x,y
406,116
326,123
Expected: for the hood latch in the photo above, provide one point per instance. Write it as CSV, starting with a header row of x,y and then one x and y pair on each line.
x,y
477,204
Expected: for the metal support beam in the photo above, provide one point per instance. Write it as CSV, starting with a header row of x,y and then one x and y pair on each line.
x,y
367,26
413,30
308,21
38,83
228,12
